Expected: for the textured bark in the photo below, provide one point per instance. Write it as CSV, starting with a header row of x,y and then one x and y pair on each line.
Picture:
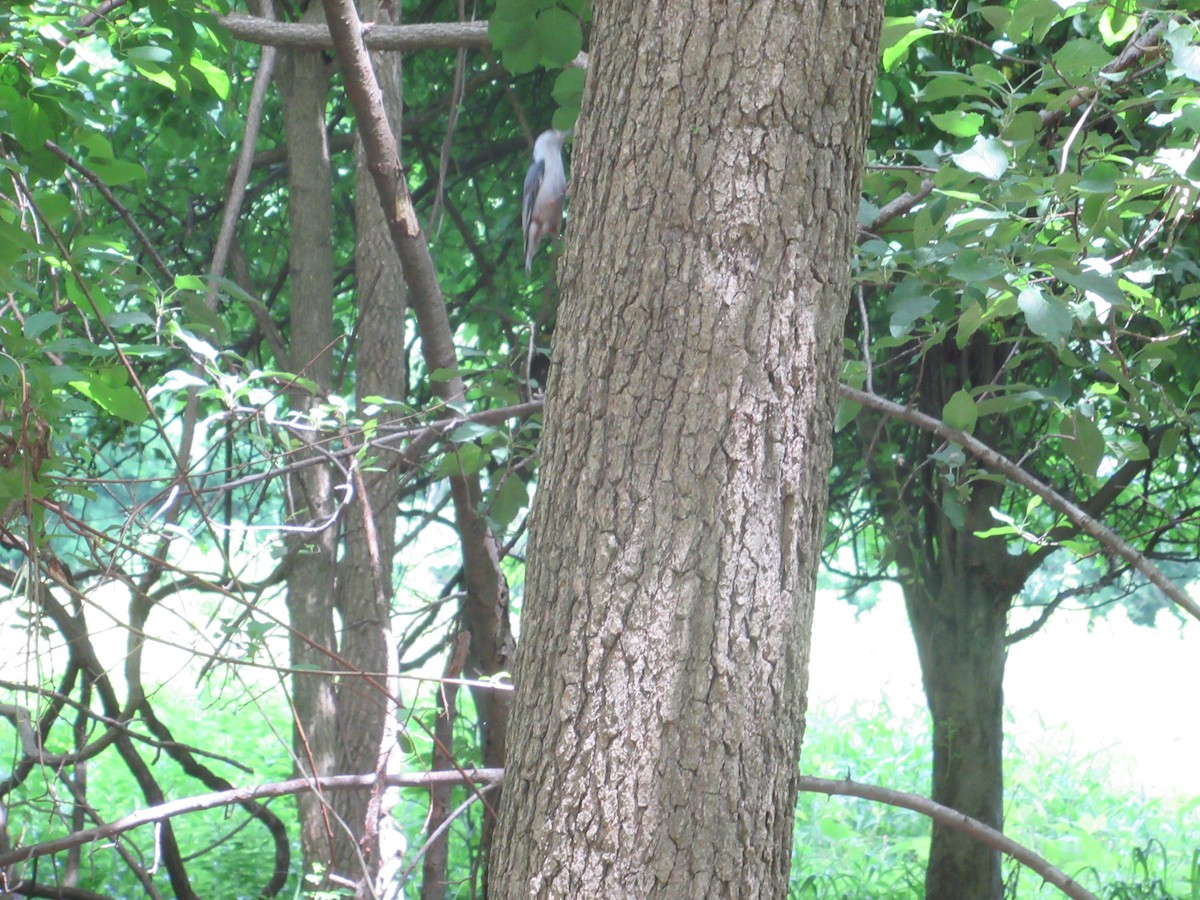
x,y
364,573
485,609
303,83
662,671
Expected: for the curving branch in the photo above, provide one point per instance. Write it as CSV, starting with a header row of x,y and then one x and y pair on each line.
x,y
1080,518
944,815
492,777
165,811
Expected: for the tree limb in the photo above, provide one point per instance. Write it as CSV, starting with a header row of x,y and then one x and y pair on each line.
x,y
808,783
1109,539
164,811
424,36
429,36
951,819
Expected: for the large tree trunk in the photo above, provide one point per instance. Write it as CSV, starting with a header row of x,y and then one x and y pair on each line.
x,y
662,670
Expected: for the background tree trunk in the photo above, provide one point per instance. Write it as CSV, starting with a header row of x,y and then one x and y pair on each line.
x,y
960,633
958,589
662,673
364,583
303,81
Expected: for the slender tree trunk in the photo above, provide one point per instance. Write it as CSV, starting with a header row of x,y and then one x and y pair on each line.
x,y
662,670
364,583
303,81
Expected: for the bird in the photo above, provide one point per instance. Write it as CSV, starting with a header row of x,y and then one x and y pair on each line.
x,y
545,187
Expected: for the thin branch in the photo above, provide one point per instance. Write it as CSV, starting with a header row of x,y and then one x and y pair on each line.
x,y
164,811
95,181
896,208
944,815
1108,539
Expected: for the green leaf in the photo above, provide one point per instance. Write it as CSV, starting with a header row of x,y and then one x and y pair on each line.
x,y
987,158
1078,58
466,460
955,510
847,412
1031,19
215,78
559,35
1046,316
568,87
510,498
15,242
149,54
960,412
950,84
515,10
899,33
190,283
907,308
568,94
968,323
470,431
1103,286
1083,443
118,171
38,323
1100,178
973,267
1185,54
107,390
1118,21
959,124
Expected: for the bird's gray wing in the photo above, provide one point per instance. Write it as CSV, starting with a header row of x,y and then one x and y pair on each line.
x,y
533,183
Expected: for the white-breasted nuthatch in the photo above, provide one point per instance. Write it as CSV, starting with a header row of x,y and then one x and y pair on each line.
x,y
545,187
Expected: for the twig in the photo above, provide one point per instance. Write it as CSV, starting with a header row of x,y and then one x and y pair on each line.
x,y
95,181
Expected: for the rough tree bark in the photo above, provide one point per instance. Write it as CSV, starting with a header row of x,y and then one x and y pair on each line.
x,y
662,670
303,80
364,589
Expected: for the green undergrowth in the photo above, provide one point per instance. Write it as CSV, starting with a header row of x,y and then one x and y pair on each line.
x,y
1067,806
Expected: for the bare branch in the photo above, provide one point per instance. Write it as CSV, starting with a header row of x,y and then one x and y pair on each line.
x,y
895,208
425,36
165,811
944,815
1109,539
430,36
